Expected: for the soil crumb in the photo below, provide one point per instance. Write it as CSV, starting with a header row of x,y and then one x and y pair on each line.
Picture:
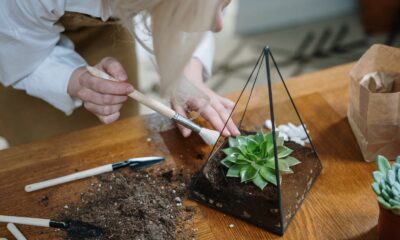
x,y
136,205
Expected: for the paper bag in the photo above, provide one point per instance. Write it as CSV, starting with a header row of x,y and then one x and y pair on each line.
x,y
374,108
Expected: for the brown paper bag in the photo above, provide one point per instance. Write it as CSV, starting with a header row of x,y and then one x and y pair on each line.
x,y
374,108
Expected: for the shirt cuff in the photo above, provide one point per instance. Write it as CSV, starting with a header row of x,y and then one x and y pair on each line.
x,y
205,53
50,80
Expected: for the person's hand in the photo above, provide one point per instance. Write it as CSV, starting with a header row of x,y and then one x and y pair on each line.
x,y
219,109
102,97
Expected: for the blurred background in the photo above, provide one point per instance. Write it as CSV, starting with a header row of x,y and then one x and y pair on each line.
x,y
303,35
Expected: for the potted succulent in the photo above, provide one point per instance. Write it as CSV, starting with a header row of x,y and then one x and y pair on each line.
x,y
251,158
387,188
240,179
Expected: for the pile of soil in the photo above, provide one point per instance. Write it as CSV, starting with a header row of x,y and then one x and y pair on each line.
x,y
136,205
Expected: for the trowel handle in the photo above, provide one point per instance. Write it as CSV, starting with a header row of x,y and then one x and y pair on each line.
x,y
69,178
138,96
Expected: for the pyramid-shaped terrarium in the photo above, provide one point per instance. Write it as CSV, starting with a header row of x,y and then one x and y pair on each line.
x,y
257,177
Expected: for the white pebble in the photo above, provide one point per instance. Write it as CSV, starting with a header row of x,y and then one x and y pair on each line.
x,y
284,136
231,225
294,132
66,207
3,143
268,124
148,139
179,204
178,199
284,128
298,141
302,133
173,191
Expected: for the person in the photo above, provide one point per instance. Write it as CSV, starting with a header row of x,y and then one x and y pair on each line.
x,y
47,44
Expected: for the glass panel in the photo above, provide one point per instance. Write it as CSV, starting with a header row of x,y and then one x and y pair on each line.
x,y
257,177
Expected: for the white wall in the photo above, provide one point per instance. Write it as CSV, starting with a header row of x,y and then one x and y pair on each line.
x,y
262,15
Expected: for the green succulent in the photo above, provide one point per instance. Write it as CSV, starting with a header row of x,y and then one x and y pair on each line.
x,y
387,184
252,158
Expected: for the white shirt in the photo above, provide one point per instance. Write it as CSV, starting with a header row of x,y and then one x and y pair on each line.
x,y
36,57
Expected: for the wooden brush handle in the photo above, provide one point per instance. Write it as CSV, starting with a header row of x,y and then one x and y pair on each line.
x,y
15,231
69,178
25,221
138,96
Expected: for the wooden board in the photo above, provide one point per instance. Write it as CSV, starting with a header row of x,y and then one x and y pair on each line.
x,y
341,205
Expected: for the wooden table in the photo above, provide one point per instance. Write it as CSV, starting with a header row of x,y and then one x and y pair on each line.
x,y
341,204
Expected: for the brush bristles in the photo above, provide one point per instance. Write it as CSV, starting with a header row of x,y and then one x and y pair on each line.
x,y
209,136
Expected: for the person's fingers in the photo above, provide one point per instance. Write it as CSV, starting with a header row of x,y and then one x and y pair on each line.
x,y
228,104
113,67
110,118
213,117
185,131
88,95
102,110
224,115
105,86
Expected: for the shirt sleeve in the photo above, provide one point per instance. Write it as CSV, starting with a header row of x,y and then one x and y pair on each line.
x,y
205,53
49,81
34,56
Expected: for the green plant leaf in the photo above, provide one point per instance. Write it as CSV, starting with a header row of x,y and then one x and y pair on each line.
x,y
279,141
234,171
383,203
378,176
242,140
232,151
260,181
247,173
396,185
391,177
396,210
284,152
291,161
263,148
394,202
395,191
375,187
383,164
252,145
233,142
268,174
398,175
284,167
385,194
270,163
227,162
259,137
252,158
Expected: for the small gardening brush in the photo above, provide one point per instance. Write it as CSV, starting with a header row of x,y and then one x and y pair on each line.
x,y
209,136
142,162
78,227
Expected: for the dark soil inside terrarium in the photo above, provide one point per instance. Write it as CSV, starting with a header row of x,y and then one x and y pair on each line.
x,y
246,201
135,205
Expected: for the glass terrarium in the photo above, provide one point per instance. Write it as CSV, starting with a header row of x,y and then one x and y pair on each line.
x,y
263,175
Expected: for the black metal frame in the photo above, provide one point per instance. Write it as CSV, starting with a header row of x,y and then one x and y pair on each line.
x,y
265,58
